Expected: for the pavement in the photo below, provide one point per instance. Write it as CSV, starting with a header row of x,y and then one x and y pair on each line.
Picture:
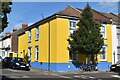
x,y
67,72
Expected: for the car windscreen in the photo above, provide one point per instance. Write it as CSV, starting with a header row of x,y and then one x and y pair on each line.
x,y
20,60
118,62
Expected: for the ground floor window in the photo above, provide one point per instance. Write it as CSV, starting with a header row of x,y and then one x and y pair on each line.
x,y
118,54
103,55
29,53
20,54
72,56
36,53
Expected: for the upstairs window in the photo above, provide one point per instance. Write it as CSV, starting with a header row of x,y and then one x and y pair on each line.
x,y
103,30
29,36
72,25
37,33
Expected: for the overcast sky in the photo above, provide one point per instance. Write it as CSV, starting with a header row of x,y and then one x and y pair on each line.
x,y
31,12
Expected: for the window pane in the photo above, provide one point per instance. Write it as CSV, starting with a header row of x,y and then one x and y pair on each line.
x,y
36,53
103,56
74,24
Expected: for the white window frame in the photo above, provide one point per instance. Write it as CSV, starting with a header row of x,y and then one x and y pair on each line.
x,y
104,30
37,33
105,54
36,53
21,54
71,58
29,35
29,53
71,28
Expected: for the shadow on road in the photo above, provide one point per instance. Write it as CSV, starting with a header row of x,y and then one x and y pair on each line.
x,y
6,78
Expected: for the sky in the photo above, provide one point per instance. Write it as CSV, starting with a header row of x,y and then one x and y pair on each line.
x,y
31,12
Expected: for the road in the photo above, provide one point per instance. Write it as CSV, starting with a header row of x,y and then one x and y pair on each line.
x,y
36,74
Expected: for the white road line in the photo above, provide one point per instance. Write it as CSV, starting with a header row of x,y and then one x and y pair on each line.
x,y
92,77
64,77
25,77
117,76
15,70
14,77
55,74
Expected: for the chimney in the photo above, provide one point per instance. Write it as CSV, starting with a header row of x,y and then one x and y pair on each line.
x,y
7,33
24,25
14,30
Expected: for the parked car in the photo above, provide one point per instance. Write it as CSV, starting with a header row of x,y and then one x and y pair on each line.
x,y
115,67
19,63
6,62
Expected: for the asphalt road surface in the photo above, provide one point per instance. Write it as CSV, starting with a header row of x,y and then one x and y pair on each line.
x,y
36,74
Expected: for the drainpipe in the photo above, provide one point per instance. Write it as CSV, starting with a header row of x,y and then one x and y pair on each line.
x,y
114,56
48,46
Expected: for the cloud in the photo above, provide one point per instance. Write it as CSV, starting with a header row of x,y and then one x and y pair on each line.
x,y
18,26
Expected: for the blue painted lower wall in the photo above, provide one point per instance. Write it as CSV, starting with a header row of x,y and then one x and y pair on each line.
x,y
70,66
104,65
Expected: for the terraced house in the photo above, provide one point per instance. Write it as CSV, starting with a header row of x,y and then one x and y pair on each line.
x,y
45,43
115,36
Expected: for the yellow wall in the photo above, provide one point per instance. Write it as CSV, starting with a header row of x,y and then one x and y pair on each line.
x,y
108,41
22,45
62,43
59,32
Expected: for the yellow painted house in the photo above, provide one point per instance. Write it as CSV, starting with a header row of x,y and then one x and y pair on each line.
x,y
45,44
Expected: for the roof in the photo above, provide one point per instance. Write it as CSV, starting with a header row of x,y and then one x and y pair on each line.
x,y
114,17
19,32
71,12
97,15
5,37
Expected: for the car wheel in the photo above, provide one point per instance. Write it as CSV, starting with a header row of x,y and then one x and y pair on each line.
x,y
27,69
13,67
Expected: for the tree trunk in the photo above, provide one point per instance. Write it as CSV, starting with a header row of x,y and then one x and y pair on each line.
x,y
92,58
86,58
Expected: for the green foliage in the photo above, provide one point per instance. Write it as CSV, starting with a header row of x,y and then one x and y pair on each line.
x,y
87,39
4,10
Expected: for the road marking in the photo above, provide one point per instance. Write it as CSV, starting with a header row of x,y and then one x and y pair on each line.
x,y
15,70
92,77
14,77
64,76
25,77
117,76
55,74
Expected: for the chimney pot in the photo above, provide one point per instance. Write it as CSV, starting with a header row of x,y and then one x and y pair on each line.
x,y
24,25
14,30
7,33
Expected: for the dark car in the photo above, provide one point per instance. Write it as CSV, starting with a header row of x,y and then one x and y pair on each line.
x,y
19,63
6,62
115,67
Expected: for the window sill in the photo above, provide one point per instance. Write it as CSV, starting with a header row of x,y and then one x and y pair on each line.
x,y
103,60
105,38
72,60
37,40
36,60
29,41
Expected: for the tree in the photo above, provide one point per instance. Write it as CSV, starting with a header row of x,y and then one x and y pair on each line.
x,y
87,39
4,10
